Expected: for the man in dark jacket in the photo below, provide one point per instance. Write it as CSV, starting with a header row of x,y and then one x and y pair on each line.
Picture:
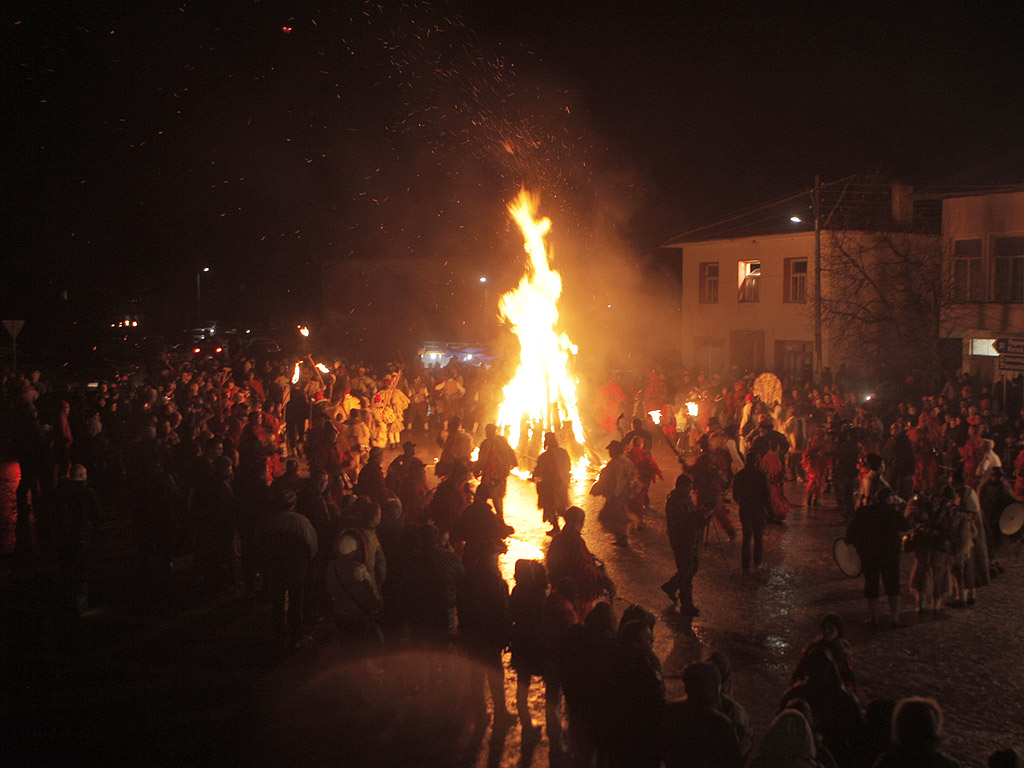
x,y
484,629
876,531
751,491
287,542
685,525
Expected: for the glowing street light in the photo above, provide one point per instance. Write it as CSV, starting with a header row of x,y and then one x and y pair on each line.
x,y
796,219
483,279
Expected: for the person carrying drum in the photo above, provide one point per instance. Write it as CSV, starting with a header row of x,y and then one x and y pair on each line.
x,y
876,531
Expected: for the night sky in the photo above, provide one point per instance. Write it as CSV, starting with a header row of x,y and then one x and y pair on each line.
x,y
146,140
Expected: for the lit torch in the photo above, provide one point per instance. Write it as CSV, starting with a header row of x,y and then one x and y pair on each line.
x,y
691,408
322,368
655,416
295,376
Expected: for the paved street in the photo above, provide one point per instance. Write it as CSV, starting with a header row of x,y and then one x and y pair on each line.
x,y
129,685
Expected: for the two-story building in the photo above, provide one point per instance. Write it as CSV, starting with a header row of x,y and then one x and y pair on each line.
x,y
746,303
983,234
748,300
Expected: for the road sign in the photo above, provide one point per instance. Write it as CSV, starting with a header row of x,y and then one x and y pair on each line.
x,y
1011,363
14,327
1009,346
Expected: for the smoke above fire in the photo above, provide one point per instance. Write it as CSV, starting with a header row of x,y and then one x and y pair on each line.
x,y
467,123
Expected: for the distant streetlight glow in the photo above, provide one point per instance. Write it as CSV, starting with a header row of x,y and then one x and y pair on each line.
x,y
795,219
483,279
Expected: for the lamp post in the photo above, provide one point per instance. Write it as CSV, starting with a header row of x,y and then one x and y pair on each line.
x,y
486,308
199,293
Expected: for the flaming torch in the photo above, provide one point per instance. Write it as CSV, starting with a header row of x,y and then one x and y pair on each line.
x,y
297,373
542,391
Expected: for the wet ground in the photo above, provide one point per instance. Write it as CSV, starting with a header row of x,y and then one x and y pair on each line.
x,y
203,682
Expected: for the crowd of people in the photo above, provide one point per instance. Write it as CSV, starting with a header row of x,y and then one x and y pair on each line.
x,y
207,459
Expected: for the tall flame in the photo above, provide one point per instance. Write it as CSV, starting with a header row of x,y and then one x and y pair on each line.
x,y
543,391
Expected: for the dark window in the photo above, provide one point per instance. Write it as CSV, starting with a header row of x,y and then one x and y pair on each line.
x,y
968,271
709,282
1008,270
795,286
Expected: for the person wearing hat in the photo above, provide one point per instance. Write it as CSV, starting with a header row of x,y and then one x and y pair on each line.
x,y
552,475
617,483
876,530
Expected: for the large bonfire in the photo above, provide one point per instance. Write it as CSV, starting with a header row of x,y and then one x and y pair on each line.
x,y
541,397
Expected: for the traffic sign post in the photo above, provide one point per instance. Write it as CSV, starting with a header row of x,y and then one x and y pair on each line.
x,y
1009,346
1011,363
14,328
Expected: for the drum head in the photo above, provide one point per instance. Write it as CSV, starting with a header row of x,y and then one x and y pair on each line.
x,y
847,558
1011,520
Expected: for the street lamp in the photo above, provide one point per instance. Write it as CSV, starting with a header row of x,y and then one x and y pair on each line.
x,y
199,293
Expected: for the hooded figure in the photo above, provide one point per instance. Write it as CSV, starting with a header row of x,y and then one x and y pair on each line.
x,y
729,706
695,732
356,594
788,743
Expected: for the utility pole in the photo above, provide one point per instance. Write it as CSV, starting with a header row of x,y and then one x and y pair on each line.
x,y
817,280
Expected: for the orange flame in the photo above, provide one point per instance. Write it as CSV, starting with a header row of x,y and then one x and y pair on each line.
x,y
655,416
298,371
543,391
691,408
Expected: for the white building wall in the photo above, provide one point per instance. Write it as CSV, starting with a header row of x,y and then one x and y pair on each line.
x,y
770,320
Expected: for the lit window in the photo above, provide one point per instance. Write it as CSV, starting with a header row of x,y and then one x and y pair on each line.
x,y
983,348
750,281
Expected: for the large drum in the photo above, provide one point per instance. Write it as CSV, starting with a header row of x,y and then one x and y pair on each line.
x,y
846,557
1011,519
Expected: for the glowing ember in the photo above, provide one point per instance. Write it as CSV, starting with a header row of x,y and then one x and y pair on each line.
x,y
295,376
691,408
543,391
655,416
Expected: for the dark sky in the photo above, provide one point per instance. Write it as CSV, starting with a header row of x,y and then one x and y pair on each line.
x,y
144,140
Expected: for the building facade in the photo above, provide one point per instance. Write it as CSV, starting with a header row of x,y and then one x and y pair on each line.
x,y
747,304
983,237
